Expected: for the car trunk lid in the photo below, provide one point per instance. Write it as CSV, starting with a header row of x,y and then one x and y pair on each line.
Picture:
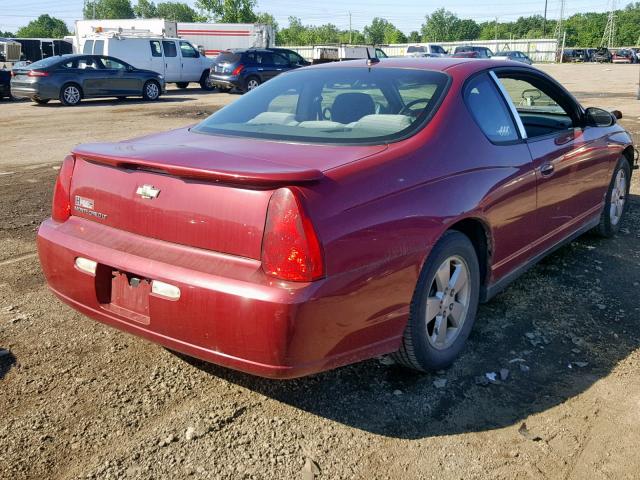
x,y
192,189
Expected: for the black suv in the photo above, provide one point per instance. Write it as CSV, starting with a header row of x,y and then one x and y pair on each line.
x,y
247,69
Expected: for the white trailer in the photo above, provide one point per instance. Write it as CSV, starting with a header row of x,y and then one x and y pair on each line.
x,y
218,37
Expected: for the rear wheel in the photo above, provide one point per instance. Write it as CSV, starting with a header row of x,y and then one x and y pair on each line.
x,y
251,83
616,200
41,101
151,90
182,84
70,95
444,305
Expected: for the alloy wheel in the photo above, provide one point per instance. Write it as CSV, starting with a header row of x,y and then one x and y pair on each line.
x,y
253,83
71,95
152,90
448,302
618,197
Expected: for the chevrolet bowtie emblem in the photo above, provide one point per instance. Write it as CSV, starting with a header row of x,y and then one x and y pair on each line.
x,y
148,191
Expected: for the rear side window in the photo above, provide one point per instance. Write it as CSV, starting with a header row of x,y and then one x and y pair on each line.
x,y
280,60
88,47
170,49
98,48
490,110
156,50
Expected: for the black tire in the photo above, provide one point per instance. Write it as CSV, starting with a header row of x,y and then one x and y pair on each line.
x,y
611,218
41,101
205,82
182,84
251,82
418,351
151,90
70,94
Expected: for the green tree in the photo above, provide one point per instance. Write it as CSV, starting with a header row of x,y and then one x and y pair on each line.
x,y
44,27
414,37
439,26
178,12
382,31
145,9
108,9
267,19
628,25
465,30
228,11
6,34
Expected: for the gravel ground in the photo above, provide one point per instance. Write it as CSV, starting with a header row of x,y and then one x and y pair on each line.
x,y
81,400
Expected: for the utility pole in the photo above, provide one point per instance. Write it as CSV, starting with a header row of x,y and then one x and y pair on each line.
x,y
560,33
350,40
496,28
544,22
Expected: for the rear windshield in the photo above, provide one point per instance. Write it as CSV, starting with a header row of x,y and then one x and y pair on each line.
x,y
227,57
334,105
46,62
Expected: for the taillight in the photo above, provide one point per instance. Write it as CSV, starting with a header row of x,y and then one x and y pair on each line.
x,y
37,73
290,246
61,209
237,70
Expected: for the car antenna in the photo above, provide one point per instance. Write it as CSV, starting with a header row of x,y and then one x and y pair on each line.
x,y
371,61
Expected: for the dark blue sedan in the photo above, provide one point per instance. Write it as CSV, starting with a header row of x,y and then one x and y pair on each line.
x,y
70,78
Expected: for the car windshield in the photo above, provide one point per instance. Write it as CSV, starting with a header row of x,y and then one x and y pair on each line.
x,y
333,105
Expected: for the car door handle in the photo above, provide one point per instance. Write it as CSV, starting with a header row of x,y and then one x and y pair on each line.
x,y
260,69
546,169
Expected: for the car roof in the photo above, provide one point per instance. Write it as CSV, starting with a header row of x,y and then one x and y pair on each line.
x,y
436,64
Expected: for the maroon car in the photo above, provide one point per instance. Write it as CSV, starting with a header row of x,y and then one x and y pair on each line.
x,y
335,213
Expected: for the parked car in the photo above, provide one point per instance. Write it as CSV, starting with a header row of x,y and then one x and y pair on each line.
x,y
574,55
514,56
333,214
176,59
248,68
5,84
602,55
70,78
590,52
472,51
340,53
429,50
623,56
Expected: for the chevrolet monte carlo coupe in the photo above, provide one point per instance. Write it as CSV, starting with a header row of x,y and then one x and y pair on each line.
x,y
335,213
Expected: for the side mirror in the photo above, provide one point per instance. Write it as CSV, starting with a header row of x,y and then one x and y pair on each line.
x,y
597,117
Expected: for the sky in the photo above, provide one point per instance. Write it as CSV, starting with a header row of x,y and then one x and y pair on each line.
x,y
407,15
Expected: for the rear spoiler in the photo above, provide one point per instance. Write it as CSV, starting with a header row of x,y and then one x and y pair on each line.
x,y
195,163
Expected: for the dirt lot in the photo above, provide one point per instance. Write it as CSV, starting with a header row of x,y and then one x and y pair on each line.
x,y
81,400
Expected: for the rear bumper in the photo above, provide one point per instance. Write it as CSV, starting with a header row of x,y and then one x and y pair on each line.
x,y
229,312
43,88
225,81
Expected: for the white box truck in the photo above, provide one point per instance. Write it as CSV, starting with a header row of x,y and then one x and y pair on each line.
x,y
218,37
